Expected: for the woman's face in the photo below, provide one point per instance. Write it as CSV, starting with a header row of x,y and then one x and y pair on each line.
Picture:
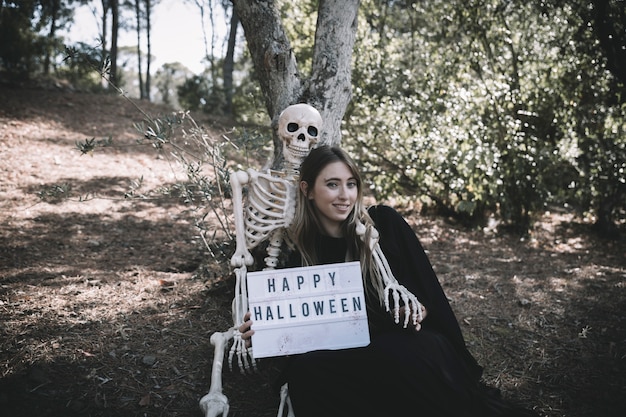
x,y
333,195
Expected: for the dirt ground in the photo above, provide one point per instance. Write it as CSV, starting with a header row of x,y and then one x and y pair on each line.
x,y
107,303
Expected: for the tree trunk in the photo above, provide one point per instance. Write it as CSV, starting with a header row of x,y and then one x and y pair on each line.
x,y
211,56
142,93
209,47
329,87
54,12
605,224
207,55
103,40
115,25
229,63
149,48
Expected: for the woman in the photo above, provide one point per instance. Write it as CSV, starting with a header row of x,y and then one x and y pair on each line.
x,y
422,369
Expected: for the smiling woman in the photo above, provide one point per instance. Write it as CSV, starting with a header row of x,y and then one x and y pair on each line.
x,y
332,195
416,357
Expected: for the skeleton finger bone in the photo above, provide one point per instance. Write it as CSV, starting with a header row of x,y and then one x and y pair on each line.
x,y
245,360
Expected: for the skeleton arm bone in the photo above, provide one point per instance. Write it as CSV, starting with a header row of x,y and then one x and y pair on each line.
x,y
242,255
412,309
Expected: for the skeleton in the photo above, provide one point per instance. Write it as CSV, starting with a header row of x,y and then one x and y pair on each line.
x,y
268,213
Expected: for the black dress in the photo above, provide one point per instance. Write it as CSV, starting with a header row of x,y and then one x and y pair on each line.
x,y
425,373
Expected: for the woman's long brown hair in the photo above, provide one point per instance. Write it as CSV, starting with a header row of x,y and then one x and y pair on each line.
x,y
306,226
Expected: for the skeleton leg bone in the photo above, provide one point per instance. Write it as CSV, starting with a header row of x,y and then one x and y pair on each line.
x,y
215,403
284,400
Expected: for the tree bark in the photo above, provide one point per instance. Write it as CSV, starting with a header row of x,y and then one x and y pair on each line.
x,y
54,12
142,92
273,59
328,88
115,25
103,38
149,48
229,63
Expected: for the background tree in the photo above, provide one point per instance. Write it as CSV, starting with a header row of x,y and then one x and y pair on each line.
x,y
115,26
597,88
149,4
477,109
328,88
467,105
167,78
28,30
57,13
207,11
104,37
220,77
229,62
138,26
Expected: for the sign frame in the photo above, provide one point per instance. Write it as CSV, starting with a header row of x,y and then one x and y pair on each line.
x,y
297,310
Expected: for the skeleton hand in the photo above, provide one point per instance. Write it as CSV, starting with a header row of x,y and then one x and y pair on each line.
x,y
245,360
412,308
403,314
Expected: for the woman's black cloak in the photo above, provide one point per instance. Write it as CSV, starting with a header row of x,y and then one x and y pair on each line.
x,y
426,373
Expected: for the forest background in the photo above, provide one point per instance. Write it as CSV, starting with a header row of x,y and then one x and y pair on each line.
x,y
479,109
491,115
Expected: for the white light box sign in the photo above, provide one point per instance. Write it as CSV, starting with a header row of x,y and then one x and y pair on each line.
x,y
297,310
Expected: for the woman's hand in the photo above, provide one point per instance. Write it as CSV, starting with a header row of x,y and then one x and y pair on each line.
x,y
418,325
246,331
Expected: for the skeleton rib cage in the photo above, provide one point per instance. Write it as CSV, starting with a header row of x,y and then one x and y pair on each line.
x,y
269,207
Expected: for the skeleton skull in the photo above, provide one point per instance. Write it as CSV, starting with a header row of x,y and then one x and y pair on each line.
x,y
299,127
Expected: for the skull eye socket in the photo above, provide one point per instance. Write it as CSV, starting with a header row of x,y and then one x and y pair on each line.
x,y
292,127
312,131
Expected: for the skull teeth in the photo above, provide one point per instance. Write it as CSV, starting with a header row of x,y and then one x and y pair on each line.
x,y
298,151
